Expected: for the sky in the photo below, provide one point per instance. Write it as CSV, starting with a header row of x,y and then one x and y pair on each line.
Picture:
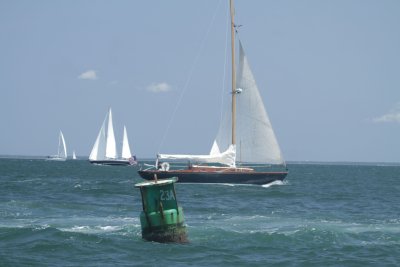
x,y
328,72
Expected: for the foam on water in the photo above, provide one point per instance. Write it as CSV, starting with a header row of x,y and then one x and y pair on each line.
x,y
88,229
76,214
285,182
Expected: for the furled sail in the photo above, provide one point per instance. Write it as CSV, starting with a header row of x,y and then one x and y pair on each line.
x,y
227,157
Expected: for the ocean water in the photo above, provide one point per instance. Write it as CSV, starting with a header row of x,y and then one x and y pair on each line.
x,y
76,214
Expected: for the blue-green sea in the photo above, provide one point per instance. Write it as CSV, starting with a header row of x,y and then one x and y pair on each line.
x,y
76,214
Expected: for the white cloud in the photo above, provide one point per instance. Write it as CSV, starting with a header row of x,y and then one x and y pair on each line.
x,y
88,75
159,87
392,116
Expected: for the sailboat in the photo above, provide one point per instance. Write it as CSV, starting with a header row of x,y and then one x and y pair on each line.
x,y
73,155
104,151
245,150
62,149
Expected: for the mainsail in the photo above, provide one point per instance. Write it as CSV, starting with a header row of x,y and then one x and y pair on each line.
x,y
111,149
255,138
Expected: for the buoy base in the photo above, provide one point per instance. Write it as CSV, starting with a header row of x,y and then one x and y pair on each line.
x,y
166,234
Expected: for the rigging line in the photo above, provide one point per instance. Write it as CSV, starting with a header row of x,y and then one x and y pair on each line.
x,y
224,74
201,48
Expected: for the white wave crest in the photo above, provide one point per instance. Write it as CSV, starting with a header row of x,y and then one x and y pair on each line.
x,y
275,183
86,229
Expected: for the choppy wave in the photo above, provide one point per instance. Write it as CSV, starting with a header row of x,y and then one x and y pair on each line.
x,y
76,214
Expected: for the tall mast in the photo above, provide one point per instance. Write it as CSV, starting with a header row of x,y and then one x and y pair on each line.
x,y
233,74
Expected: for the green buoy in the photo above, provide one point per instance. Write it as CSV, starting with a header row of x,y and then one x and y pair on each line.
x,y
161,218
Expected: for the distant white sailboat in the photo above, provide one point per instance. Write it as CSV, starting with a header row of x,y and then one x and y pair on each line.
x,y
73,155
62,150
104,151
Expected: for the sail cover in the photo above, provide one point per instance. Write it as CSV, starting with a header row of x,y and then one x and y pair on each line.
x,y
227,157
255,138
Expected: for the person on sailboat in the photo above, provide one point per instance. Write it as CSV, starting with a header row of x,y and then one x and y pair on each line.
x,y
132,160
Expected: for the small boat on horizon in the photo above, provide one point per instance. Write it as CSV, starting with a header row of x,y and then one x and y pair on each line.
x,y
104,151
62,150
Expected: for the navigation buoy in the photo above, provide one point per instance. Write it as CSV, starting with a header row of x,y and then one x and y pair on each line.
x,y
162,218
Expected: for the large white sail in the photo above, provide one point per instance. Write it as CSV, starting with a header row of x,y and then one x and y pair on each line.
x,y
62,148
111,149
126,151
255,138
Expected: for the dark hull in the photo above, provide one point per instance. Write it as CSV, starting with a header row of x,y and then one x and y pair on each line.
x,y
110,162
189,176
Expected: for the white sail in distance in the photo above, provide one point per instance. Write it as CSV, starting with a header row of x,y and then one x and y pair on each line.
x,y
62,148
104,149
126,151
111,148
99,147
